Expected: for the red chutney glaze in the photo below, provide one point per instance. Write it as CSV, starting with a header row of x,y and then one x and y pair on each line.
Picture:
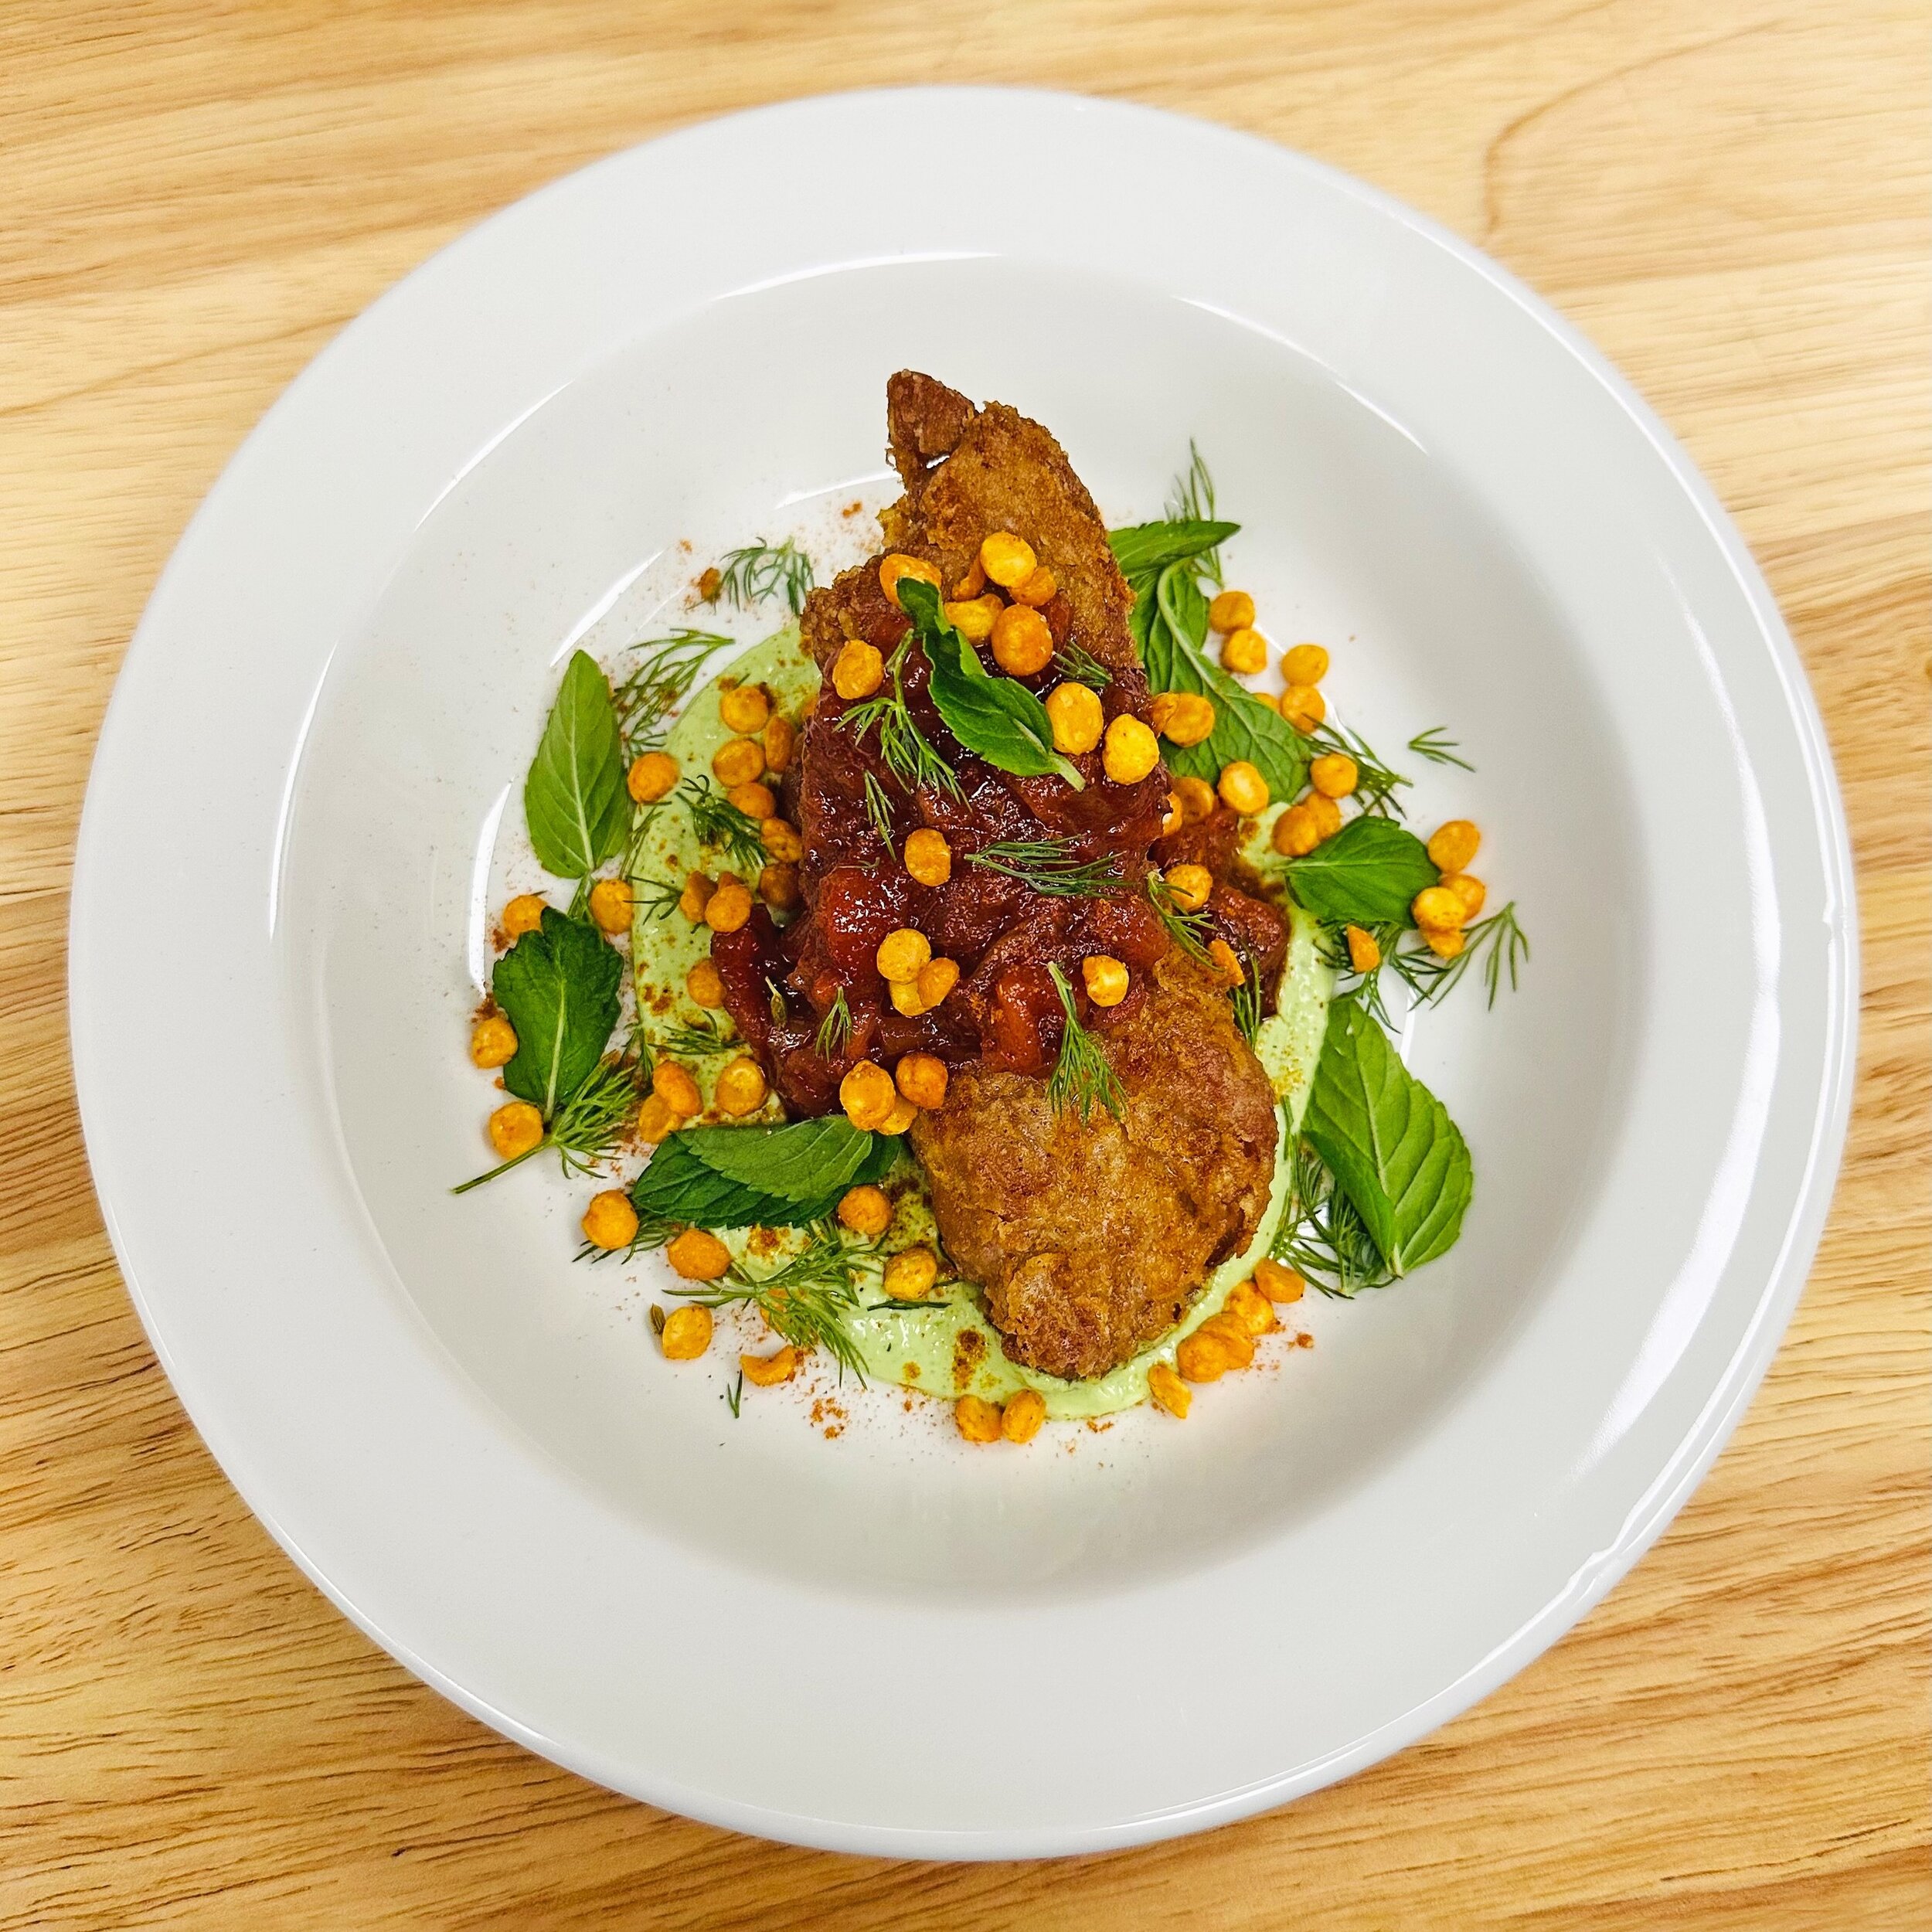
x,y
1004,1011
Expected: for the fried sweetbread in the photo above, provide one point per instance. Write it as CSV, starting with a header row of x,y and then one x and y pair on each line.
x,y
1091,1237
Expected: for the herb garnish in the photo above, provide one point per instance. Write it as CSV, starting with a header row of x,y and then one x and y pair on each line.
x,y
1321,1237
1431,744
1502,945
1246,999
834,1030
807,1300
558,987
878,809
735,1396
995,718
574,801
692,1039
1365,875
742,1177
1388,1141
1048,866
719,824
1081,1079
907,753
589,1125
1186,929
654,898
659,682
749,576
1165,563
1375,782
1082,666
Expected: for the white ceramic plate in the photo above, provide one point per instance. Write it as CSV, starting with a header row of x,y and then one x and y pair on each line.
x,y
889,1642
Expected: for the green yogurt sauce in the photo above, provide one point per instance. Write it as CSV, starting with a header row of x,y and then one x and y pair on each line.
x,y
947,1347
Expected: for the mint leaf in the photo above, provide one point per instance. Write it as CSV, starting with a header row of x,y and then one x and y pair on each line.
x,y
681,1184
1144,550
677,1187
804,1162
1366,874
558,987
1169,623
1396,1154
573,800
995,718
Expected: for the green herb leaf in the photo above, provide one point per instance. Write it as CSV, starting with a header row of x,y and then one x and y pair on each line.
x,y
1145,550
996,719
804,1162
1169,623
1366,874
1395,1153
558,987
573,800
678,1189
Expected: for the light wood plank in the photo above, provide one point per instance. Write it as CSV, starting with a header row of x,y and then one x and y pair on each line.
x,y
1730,198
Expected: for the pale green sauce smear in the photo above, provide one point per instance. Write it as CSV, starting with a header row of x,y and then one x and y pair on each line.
x,y
947,1348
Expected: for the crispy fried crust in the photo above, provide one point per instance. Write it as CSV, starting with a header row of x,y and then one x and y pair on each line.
x,y
1092,1237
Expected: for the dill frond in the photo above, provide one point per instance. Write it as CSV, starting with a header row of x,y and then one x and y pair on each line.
x,y
719,823
705,1036
1375,782
834,1030
905,751
1081,1079
735,1395
1186,929
1502,946
589,1125
1048,866
1431,744
1246,1000
747,577
656,898
878,809
1191,501
808,1299
1322,1237
658,682
1083,667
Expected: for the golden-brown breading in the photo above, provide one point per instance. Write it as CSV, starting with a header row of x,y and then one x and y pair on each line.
x,y
1091,1237
967,472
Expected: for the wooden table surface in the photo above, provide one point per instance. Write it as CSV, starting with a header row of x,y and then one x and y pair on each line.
x,y
1730,197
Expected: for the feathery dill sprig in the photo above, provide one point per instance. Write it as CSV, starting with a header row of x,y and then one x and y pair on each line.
x,y
692,1039
589,1125
1191,501
878,809
1081,1079
1246,998
1082,666
906,752
654,898
1321,1237
834,1030
1499,941
1048,866
1187,931
658,682
719,823
747,577
1433,745
1375,782
809,1300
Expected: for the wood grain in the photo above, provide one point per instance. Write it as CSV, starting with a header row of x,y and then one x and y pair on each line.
x,y
1731,198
